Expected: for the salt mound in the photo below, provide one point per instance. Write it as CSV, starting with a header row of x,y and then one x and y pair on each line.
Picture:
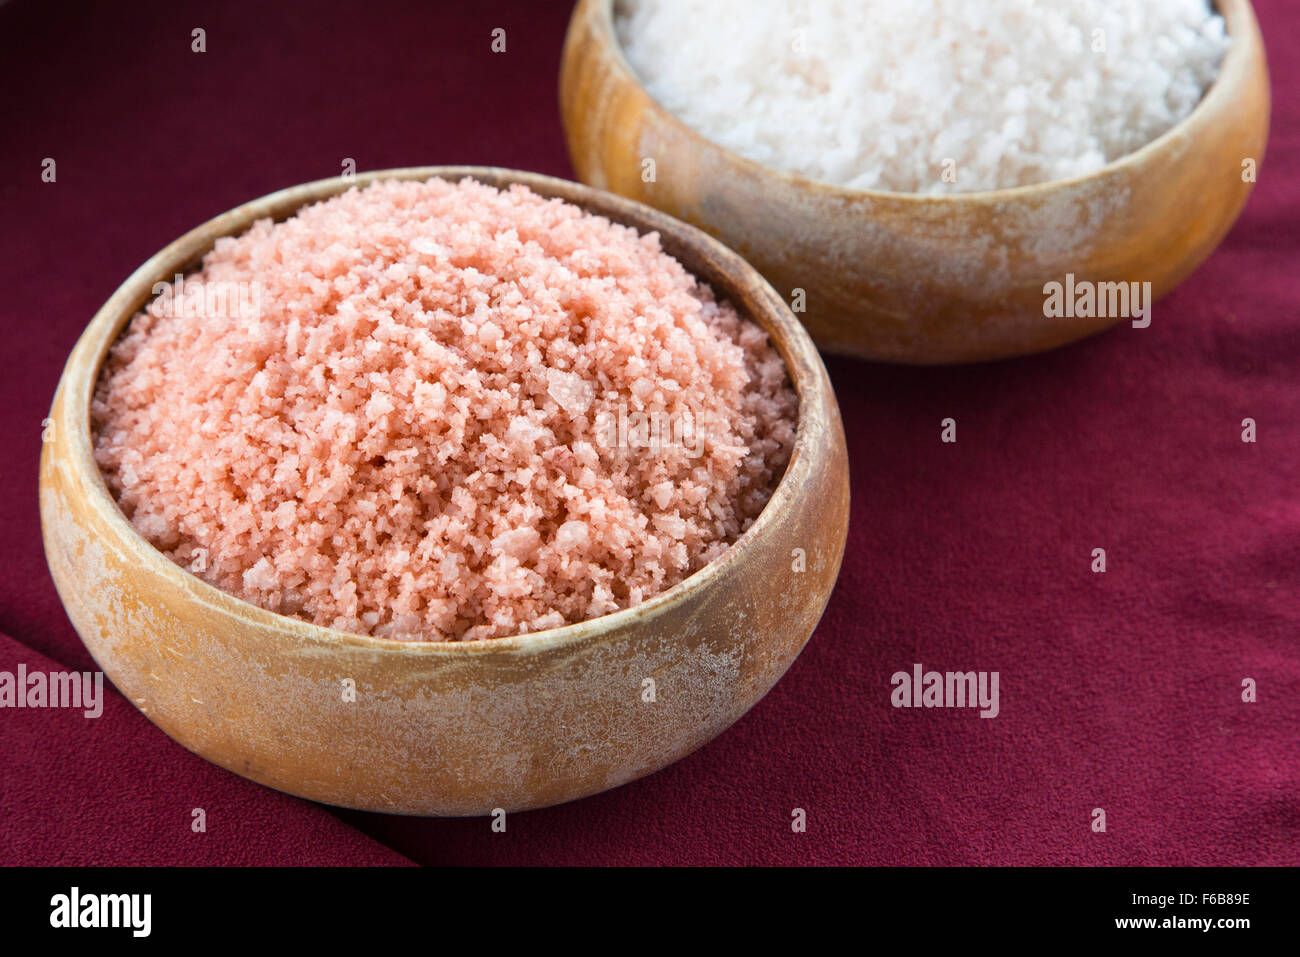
x,y
442,411
878,94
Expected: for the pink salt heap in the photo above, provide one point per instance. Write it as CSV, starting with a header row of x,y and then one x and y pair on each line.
x,y
454,413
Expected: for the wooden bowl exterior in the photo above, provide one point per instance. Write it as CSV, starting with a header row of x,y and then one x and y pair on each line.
x,y
447,728
916,279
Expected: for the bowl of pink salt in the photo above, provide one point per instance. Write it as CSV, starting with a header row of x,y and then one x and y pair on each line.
x,y
444,490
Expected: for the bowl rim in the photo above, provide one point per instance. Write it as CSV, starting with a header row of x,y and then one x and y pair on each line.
x,y
1240,24
804,367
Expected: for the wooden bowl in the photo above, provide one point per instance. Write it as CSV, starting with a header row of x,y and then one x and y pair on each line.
x,y
447,728
929,279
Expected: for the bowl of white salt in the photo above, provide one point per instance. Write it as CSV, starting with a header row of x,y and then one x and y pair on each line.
x,y
938,182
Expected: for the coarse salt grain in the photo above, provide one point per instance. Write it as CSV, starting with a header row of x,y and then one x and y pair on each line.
x,y
929,96
403,441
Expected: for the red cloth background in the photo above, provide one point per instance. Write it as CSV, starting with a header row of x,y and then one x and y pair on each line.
x,y
1119,691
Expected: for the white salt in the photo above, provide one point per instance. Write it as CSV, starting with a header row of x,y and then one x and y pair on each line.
x,y
927,96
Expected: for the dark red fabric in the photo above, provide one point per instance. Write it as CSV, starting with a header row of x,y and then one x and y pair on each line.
x,y
1119,691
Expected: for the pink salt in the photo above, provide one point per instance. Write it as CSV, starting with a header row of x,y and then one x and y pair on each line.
x,y
416,434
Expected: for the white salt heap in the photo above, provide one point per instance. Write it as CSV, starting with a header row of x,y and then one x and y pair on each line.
x,y
885,94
